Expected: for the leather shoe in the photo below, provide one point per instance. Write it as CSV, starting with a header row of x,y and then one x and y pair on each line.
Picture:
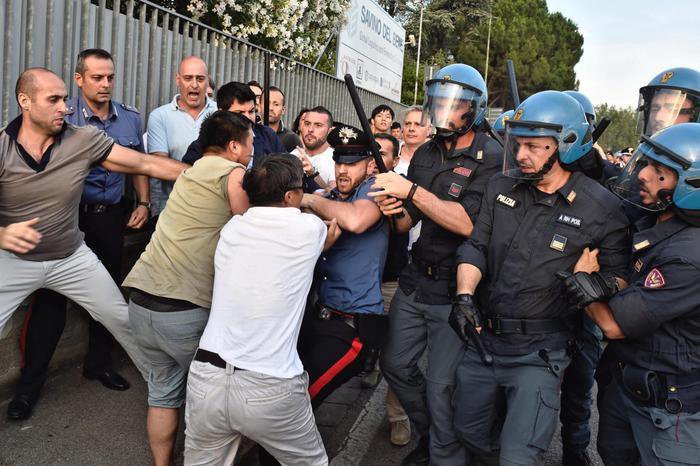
x,y
576,458
400,432
420,456
21,406
109,378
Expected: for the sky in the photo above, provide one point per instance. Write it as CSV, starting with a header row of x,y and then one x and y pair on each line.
x,y
627,43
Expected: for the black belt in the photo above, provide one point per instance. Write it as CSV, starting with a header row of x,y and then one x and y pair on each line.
x,y
327,313
658,389
526,326
434,272
214,359
98,208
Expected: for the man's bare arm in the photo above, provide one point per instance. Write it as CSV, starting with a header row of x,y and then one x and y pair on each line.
x,y
237,197
468,278
448,214
123,160
602,315
354,217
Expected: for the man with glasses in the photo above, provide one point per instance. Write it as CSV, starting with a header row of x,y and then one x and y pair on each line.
x,y
247,377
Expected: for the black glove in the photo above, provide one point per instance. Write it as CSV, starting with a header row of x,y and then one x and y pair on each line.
x,y
464,312
584,288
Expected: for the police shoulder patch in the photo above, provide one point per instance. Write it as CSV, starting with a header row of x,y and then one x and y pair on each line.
x,y
129,107
507,201
655,279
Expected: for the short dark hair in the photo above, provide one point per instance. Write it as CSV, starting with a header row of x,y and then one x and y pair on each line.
x,y
275,88
392,139
233,91
382,108
267,184
221,127
254,83
87,53
396,125
297,120
324,110
212,84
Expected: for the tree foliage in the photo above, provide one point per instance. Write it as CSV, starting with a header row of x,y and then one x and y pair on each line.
x,y
544,46
622,132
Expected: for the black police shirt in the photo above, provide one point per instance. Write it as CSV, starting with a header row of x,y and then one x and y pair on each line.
x,y
462,177
523,236
659,312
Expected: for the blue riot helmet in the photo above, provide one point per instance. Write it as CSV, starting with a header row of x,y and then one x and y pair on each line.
x,y
672,97
455,99
543,120
588,107
645,183
499,125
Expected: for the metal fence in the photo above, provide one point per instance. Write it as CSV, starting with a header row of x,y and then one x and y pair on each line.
x,y
148,42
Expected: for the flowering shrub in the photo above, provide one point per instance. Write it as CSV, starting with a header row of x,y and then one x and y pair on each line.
x,y
294,28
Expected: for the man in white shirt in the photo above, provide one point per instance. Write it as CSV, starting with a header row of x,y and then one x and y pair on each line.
x,y
246,378
415,133
315,126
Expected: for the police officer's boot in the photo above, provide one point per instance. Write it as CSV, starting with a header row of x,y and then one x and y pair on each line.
x,y
576,457
420,456
370,372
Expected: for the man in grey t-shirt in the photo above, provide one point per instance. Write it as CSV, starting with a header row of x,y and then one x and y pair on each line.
x,y
43,165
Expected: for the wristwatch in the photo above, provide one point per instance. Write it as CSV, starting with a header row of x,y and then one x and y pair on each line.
x,y
145,204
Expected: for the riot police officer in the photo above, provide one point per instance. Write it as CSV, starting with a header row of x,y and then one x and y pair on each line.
x,y
499,125
650,412
535,220
443,189
672,97
577,388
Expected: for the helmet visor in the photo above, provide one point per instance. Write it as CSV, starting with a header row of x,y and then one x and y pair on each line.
x,y
661,108
633,190
527,157
449,106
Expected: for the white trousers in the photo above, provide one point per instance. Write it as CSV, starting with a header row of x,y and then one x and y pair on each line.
x,y
80,277
225,404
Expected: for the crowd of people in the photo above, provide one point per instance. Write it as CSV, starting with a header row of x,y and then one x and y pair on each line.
x,y
285,261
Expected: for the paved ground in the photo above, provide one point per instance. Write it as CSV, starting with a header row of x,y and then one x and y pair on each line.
x,y
79,422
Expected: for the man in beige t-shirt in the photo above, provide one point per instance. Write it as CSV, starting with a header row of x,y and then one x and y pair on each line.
x,y
43,165
173,279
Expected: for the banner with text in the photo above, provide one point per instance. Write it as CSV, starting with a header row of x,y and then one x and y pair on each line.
x,y
370,48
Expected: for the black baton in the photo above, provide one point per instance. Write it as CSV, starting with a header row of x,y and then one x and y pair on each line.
x,y
474,336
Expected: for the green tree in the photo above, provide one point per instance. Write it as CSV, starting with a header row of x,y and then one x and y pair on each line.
x,y
622,132
544,46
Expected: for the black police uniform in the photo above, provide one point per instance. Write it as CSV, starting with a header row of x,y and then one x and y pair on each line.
x,y
651,410
523,236
420,308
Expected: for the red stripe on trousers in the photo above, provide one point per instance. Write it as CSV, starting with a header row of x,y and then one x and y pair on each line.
x,y
336,368
23,334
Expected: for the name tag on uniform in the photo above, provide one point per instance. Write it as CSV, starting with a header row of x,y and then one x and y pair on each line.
x,y
455,190
508,201
464,171
569,220
558,242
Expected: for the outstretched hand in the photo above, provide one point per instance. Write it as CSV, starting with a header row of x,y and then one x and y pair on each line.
x,y
20,237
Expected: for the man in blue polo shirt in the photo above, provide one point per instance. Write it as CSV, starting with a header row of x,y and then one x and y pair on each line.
x,y
173,126
343,317
102,219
